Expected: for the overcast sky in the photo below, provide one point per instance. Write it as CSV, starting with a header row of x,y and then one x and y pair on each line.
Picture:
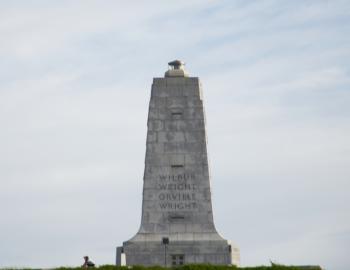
x,y
75,79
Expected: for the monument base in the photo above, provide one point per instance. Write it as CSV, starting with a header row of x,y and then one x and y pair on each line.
x,y
177,252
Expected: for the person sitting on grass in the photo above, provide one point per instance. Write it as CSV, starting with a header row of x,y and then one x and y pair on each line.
x,y
87,262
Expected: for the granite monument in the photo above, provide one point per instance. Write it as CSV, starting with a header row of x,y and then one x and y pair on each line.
x,y
177,224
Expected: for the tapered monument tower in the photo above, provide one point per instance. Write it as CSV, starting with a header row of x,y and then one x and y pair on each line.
x,y
177,224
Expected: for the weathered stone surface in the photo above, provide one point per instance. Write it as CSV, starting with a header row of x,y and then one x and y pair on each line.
x,y
176,192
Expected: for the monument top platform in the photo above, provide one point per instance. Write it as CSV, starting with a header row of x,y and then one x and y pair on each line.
x,y
176,69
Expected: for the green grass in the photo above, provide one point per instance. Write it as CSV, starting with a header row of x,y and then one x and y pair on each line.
x,y
185,267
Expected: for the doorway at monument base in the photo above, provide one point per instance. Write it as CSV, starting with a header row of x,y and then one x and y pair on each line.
x,y
198,249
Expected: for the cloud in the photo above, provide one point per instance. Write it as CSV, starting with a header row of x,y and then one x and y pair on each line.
x,y
74,86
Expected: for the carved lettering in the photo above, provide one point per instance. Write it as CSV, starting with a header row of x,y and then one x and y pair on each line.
x,y
177,196
176,177
181,186
177,192
178,206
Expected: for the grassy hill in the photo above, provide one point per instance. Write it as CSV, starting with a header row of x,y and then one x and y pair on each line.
x,y
185,267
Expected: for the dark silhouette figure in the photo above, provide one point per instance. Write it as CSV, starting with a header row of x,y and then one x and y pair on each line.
x,y
87,263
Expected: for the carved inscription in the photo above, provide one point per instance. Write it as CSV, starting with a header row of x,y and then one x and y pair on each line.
x,y
177,192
